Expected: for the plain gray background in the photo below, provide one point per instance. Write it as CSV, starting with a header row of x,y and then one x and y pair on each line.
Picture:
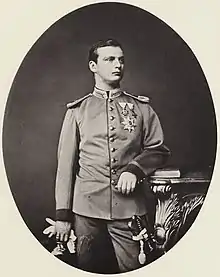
x,y
158,64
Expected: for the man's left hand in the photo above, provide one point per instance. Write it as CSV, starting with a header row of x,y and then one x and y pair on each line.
x,y
126,183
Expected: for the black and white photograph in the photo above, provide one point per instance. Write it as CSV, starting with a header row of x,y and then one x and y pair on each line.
x,y
109,138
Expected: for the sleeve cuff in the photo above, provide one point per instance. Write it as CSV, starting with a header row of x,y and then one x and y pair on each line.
x,y
135,170
64,215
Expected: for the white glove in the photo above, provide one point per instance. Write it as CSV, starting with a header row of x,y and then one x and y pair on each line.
x,y
50,231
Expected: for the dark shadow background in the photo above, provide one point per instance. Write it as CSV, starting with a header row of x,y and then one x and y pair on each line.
x,y
159,64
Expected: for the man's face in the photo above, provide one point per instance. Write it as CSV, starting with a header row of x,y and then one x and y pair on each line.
x,y
110,64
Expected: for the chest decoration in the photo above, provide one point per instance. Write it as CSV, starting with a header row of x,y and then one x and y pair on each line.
x,y
128,116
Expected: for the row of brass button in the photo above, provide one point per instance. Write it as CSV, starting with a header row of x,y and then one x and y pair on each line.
x,y
111,139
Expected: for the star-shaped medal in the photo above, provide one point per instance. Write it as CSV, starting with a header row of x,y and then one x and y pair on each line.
x,y
129,123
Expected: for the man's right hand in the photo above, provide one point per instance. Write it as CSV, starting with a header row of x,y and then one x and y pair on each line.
x,y
62,229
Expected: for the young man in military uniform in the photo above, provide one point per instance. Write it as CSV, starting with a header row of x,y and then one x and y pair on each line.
x,y
110,141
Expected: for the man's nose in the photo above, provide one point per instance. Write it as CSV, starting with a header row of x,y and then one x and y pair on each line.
x,y
117,63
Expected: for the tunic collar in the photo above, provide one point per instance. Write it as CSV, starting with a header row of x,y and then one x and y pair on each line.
x,y
106,94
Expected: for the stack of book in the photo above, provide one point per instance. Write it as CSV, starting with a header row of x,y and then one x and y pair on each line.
x,y
174,176
165,175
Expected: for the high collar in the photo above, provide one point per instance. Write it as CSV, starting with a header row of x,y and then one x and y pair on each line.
x,y
106,94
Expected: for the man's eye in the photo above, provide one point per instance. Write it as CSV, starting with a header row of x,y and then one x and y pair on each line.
x,y
111,59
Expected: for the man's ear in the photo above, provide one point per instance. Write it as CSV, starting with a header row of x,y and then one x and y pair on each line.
x,y
92,66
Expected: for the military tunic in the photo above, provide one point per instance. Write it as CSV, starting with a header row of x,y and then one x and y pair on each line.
x,y
103,135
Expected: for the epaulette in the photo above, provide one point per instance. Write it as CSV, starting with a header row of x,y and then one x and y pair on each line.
x,y
141,98
73,104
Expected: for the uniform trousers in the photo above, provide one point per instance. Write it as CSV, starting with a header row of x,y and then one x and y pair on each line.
x,y
90,249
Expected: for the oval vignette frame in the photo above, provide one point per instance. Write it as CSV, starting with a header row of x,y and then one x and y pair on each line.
x,y
159,64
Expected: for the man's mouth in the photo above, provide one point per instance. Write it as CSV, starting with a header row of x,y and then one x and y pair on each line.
x,y
117,73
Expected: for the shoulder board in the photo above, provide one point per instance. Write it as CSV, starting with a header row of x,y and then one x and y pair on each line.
x,y
141,98
73,104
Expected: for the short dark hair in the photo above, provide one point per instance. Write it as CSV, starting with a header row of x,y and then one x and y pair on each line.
x,y
93,55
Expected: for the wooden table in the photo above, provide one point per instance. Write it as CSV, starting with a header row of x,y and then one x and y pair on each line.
x,y
178,203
